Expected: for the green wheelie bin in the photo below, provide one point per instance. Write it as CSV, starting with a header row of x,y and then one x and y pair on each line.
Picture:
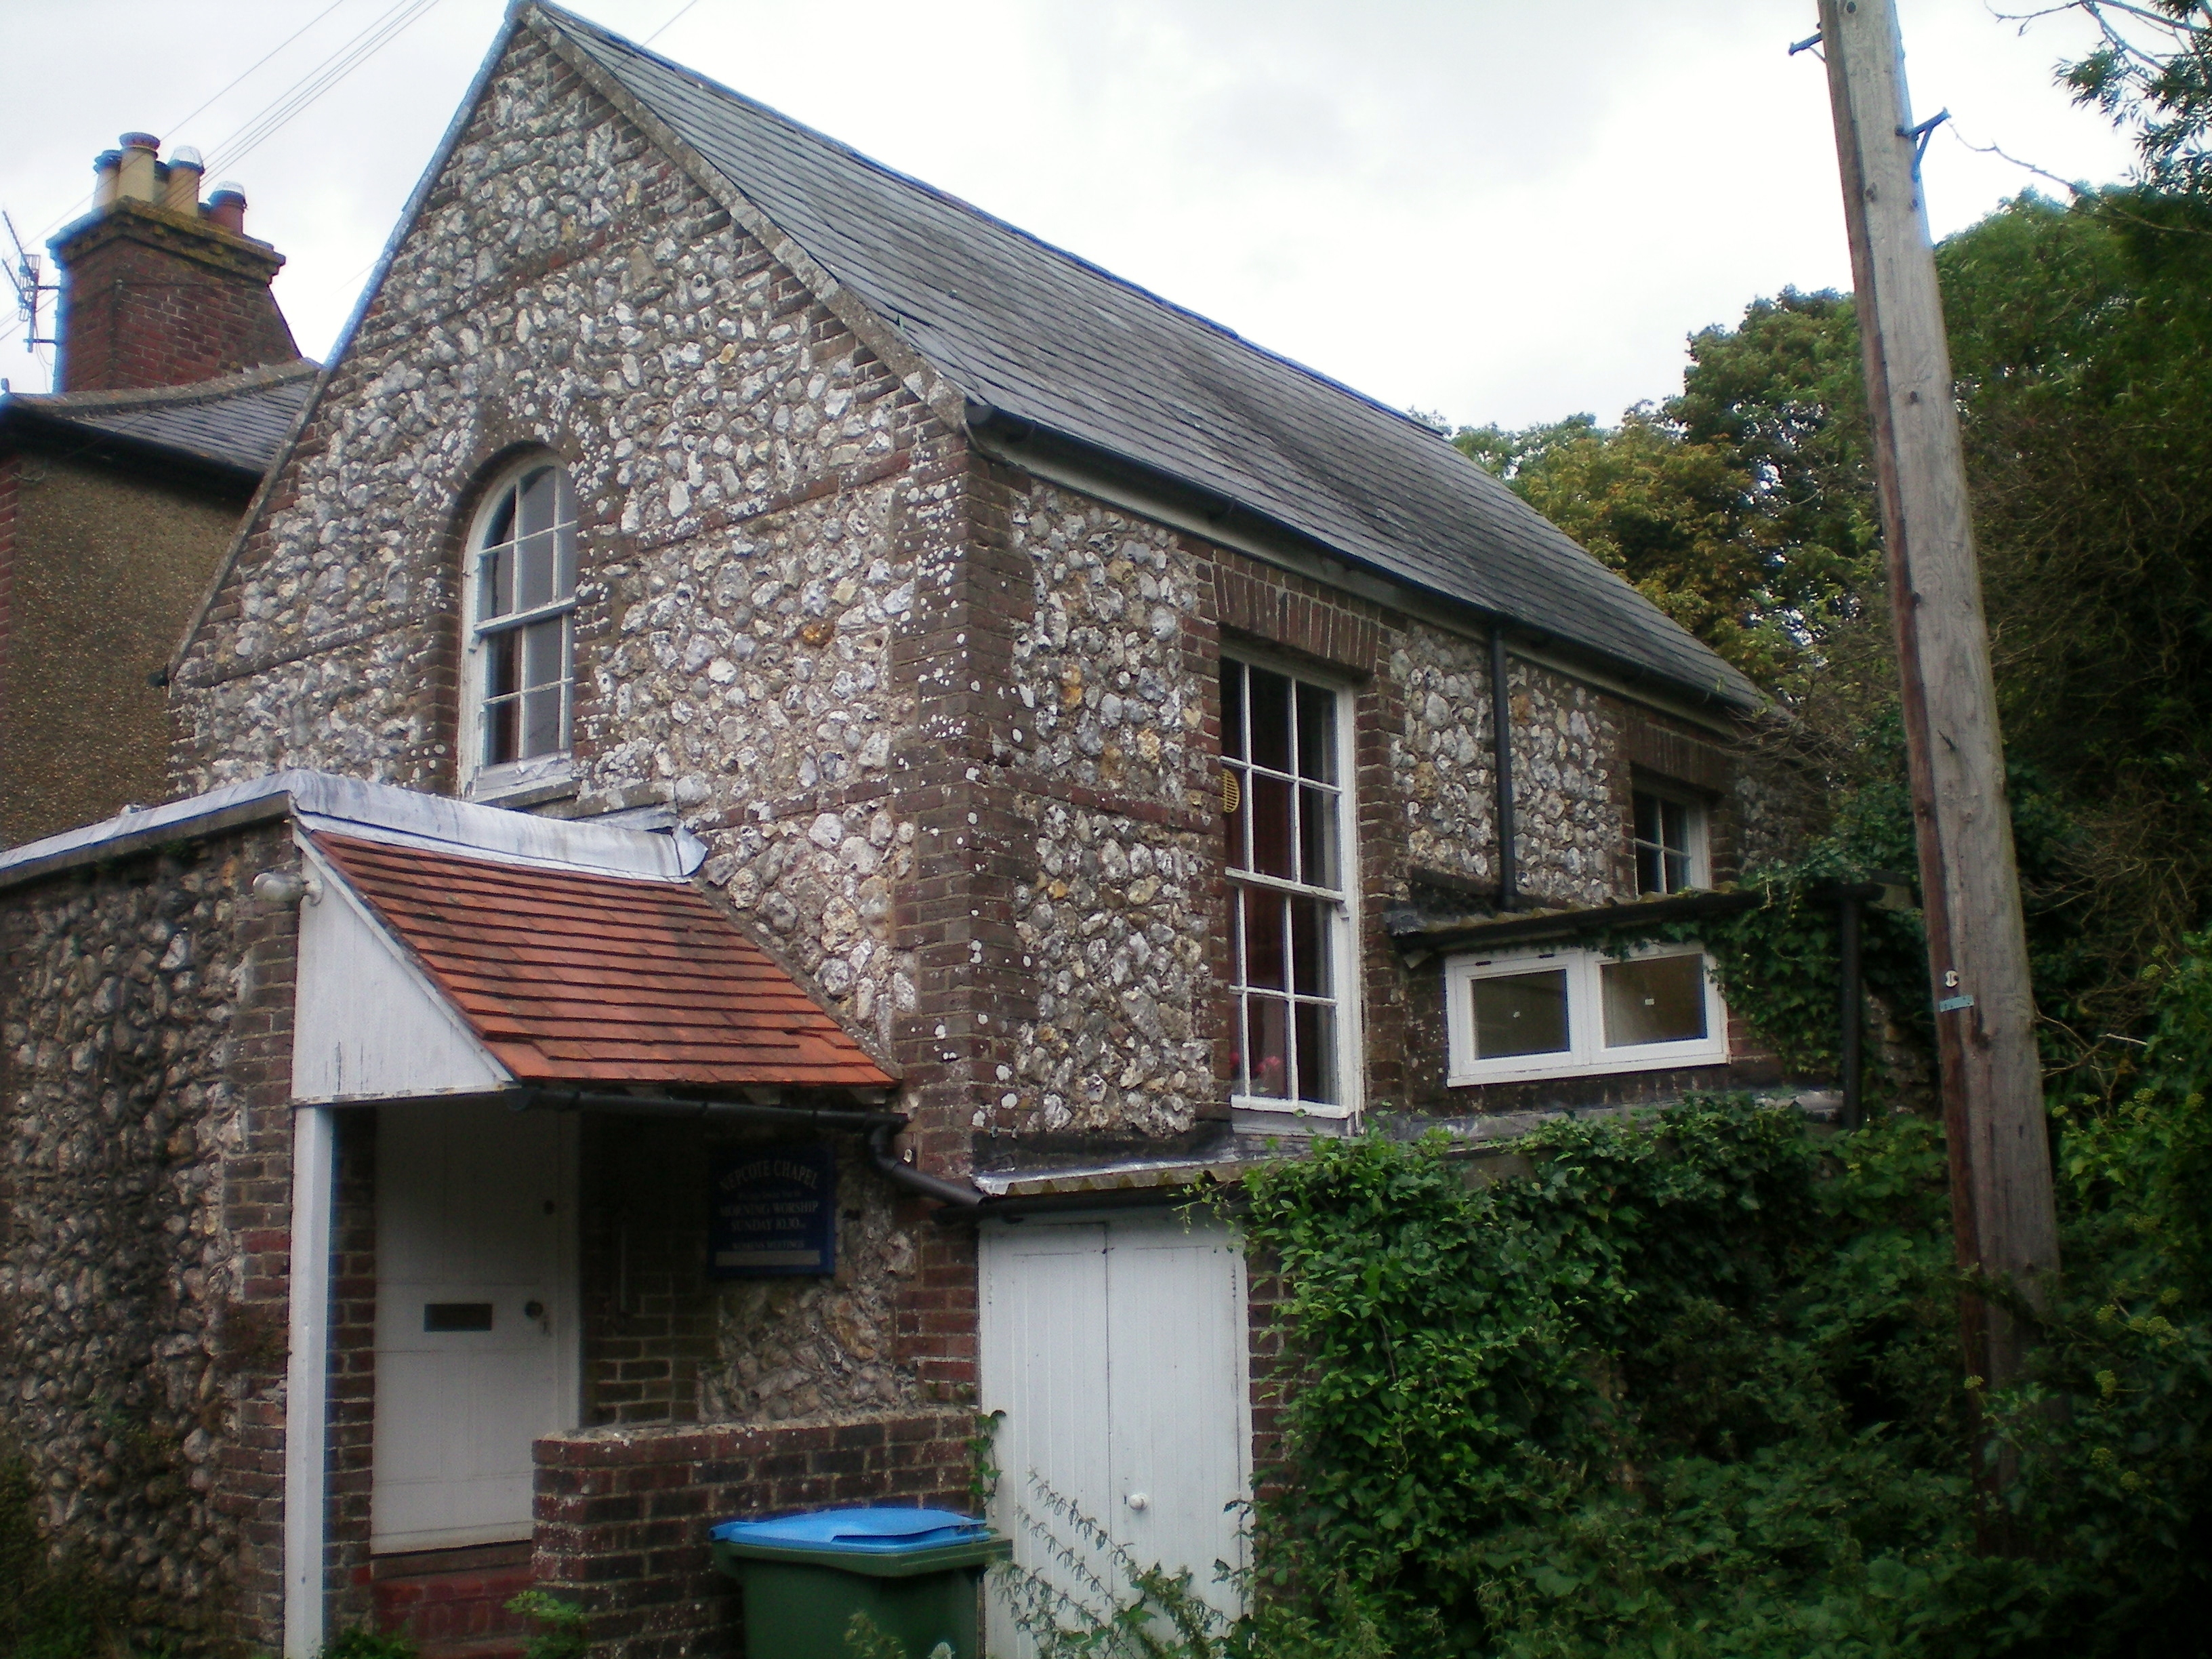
x,y
913,1571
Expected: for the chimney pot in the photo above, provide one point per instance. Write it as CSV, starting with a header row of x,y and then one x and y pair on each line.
x,y
182,194
135,176
225,207
105,165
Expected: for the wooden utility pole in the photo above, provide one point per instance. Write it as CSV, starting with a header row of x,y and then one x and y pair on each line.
x,y
1992,1083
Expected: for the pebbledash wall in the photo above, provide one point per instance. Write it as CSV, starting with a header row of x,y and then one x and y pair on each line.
x,y
949,732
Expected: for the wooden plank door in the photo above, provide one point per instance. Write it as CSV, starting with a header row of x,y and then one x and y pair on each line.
x,y
1116,1350
475,1330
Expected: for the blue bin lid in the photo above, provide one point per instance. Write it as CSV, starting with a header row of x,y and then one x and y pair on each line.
x,y
861,1531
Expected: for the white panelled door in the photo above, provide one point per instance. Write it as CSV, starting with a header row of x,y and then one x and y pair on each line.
x,y
1117,1350
476,1327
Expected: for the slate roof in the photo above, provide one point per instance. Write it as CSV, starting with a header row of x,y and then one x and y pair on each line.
x,y
573,977
1051,340
237,421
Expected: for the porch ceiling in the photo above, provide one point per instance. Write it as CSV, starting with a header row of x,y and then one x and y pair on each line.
x,y
571,977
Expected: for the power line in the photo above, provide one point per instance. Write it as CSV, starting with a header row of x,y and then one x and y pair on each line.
x,y
670,24
304,92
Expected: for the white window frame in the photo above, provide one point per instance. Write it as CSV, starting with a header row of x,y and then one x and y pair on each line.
x,y
1695,818
1344,903
503,781
1586,1054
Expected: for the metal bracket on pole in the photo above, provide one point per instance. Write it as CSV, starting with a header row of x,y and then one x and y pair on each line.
x,y
1920,136
1805,45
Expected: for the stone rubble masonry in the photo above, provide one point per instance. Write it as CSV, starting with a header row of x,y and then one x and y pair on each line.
x,y
151,299
145,1070
622,1514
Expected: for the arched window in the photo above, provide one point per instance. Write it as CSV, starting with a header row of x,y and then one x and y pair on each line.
x,y
521,603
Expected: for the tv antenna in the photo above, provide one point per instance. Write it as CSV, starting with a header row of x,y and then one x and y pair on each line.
x,y
24,273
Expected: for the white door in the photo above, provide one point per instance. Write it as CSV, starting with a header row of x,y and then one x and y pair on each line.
x,y
476,1340
1117,1351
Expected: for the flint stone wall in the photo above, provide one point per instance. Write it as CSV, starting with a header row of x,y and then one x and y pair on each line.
x,y
145,1242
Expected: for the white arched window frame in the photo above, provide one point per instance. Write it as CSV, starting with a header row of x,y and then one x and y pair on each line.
x,y
519,678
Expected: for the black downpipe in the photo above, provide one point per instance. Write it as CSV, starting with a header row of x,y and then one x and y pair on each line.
x,y
1854,1013
1501,735
886,1164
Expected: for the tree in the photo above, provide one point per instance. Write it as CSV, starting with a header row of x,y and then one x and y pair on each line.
x,y
2152,71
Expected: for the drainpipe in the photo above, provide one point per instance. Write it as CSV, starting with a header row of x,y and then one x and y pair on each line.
x,y
886,1163
1501,735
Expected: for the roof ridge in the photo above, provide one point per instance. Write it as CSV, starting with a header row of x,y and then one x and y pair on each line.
x,y
564,17
193,392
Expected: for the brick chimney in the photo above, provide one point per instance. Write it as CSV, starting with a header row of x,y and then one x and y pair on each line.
x,y
160,287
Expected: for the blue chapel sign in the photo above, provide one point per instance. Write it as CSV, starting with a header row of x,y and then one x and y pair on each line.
x,y
774,1211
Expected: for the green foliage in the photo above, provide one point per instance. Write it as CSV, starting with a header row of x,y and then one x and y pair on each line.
x,y
51,1606
1694,1390
1118,1608
1691,1390
866,1639
2152,70
563,1626
359,1643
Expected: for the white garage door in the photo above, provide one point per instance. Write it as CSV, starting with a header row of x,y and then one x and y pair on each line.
x,y
1117,1349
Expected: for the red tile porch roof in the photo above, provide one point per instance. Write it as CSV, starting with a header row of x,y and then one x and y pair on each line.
x,y
568,976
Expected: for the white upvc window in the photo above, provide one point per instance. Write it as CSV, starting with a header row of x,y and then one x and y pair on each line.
x,y
519,680
1286,805
1669,836
1572,1012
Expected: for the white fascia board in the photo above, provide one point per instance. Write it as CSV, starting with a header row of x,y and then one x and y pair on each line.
x,y
368,1023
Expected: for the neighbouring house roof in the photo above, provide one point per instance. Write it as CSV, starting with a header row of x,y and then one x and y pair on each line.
x,y
1044,337
236,423
568,977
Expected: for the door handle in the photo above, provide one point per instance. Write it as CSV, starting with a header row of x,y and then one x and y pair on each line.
x,y
533,1309
1137,1500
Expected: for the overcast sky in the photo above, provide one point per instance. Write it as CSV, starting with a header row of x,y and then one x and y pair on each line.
x,y
1502,210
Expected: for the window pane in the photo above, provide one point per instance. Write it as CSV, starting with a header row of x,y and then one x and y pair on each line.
x,y
1232,710
541,722
1316,734
1266,1042
496,580
1236,815
545,652
1316,1031
1647,816
503,663
533,571
1236,936
1270,826
1270,718
1658,1000
502,731
1651,869
1263,939
1317,837
1678,871
1674,822
1521,1014
501,528
1310,953
538,497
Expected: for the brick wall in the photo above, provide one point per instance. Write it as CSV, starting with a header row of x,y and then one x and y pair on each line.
x,y
622,1514
153,299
